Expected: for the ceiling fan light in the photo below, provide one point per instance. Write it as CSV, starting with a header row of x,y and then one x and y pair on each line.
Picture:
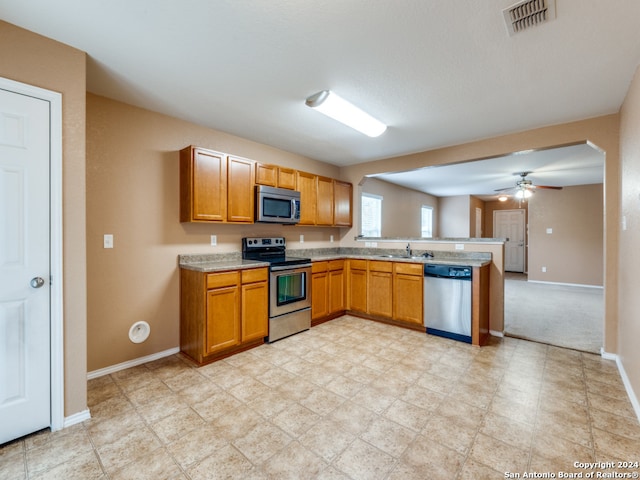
x,y
523,193
336,107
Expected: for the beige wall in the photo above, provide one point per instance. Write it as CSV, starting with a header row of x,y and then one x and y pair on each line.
x,y
401,208
573,252
455,215
629,323
600,131
36,60
133,193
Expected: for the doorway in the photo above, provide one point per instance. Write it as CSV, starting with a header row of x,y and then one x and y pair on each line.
x,y
31,267
510,225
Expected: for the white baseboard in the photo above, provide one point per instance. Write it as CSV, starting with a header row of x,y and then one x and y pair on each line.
x,y
496,333
560,284
131,363
625,380
76,418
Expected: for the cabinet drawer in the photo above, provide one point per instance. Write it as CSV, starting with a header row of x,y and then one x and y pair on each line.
x,y
380,266
227,279
358,264
409,268
336,265
318,267
255,275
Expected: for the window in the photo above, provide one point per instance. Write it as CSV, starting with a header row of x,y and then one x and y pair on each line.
x,y
371,215
426,229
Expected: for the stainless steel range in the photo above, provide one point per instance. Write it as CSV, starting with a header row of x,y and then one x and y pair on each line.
x,y
289,285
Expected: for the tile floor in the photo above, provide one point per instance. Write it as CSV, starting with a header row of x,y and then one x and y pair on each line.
x,y
349,399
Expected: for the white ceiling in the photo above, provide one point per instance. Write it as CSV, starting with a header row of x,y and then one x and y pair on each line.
x,y
437,72
558,167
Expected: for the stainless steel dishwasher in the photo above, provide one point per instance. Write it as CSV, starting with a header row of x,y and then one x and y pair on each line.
x,y
447,301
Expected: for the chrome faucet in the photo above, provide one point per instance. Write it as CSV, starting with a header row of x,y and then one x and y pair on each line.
x,y
408,249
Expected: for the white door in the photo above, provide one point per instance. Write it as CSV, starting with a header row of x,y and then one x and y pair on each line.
x,y
510,225
25,381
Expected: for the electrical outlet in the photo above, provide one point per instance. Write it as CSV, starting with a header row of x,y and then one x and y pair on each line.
x,y
301,238
459,246
214,240
331,238
549,231
544,269
108,241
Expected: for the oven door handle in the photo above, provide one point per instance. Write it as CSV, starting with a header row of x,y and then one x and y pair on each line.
x,y
290,267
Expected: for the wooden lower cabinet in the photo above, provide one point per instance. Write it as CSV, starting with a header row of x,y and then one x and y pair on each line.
x,y
408,293
357,286
380,288
222,313
254,311
327,290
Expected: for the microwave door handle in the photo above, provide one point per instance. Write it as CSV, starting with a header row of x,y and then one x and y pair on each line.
x,y
294,208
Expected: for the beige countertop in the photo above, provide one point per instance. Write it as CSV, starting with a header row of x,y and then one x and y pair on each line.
x,y
233,261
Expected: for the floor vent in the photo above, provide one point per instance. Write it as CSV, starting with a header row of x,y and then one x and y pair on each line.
x,y
527,14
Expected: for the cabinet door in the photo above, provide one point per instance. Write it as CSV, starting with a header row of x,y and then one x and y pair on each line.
x,y
319,295
342,203
407,298
306,183
357,290
379,293
287,178
336,291
324,213
223,318
203,185
266,175
255,311
240,176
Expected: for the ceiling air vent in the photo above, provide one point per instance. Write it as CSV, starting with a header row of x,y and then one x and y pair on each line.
x,y
527,14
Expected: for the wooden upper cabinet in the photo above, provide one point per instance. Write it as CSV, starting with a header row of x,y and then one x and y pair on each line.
x,y
240,198
307,185
275,176
324,212
342,204
266,175
203,185
287,178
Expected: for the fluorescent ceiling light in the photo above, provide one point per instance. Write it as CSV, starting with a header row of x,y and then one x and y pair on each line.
x,y
339,109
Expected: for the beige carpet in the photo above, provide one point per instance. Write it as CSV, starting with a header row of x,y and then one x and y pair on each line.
x,y
560,315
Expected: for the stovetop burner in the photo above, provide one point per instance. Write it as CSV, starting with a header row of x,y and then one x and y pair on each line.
x,y
269,249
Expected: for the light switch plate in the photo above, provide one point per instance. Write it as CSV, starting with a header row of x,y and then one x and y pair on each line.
x,y
108,241
549,231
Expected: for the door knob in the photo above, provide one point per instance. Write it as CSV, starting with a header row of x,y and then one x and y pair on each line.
x,y
37,282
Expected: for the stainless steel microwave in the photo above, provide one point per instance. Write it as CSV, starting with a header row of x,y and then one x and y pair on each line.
x,y
277,205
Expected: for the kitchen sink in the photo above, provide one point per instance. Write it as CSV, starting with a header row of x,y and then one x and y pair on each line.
x,y
414,257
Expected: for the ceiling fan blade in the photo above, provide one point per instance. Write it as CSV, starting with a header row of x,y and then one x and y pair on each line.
x,y
505,189
547,186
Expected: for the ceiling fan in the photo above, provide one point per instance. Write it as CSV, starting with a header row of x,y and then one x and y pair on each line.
x,y
524,188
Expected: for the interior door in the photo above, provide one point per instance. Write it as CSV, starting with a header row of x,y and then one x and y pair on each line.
x,y
510,225
25,382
